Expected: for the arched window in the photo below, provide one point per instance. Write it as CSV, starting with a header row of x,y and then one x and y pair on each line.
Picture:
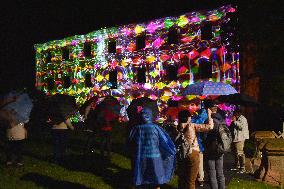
x,y
50,83
206,31
88,80
140,41
172,72
112,46
113,79
205,69
66,82
65,53
88,49
173,36
141,75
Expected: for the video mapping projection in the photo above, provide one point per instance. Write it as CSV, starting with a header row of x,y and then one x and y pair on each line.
x,y
157,59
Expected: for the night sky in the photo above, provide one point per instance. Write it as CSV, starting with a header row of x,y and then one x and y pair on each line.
x,y
25,23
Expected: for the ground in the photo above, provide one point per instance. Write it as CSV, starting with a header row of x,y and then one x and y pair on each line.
x,y
86,171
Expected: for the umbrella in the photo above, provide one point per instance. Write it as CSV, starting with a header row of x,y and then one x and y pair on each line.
x,y
209,88
20,106
238,99
61,106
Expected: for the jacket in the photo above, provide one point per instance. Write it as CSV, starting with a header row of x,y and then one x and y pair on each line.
x,y
211,138
192,128
17,132
240,130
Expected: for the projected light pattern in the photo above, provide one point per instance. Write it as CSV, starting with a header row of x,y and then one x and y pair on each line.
x,y
190,55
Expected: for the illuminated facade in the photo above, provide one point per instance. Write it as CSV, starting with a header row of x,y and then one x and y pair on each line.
x,y
158,58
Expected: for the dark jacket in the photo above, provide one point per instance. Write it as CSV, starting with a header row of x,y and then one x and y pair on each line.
x,y
212,137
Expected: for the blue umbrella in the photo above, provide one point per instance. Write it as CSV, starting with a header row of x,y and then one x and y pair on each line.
x,y
22,107
209,88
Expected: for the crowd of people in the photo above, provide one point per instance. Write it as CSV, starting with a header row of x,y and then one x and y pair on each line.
x,y
192,147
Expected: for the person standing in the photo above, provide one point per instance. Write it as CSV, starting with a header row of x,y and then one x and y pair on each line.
x,y
214,159
200,117
16,135
240,133
152,153
59,135
188,167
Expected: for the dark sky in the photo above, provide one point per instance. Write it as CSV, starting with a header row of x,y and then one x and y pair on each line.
x,y
24,23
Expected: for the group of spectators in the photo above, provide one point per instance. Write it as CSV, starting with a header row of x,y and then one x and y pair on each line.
x,y
153,150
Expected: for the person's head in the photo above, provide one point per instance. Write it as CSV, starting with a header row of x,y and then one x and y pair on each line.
x,y
237,113
211,105
194,105
184,116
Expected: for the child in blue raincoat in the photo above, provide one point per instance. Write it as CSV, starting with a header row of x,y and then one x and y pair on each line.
x,y
152,153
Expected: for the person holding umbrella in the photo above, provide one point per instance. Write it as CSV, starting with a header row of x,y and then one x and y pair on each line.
x,y
60,108
59,135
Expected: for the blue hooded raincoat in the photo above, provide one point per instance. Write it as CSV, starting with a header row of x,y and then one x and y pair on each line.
x,y
153,155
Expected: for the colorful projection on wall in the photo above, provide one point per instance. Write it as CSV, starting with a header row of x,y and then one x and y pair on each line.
x,y
158,58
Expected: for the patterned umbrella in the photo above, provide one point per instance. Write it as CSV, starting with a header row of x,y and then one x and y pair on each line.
x,y
209,88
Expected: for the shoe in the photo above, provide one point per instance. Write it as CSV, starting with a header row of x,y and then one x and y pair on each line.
x,y
8,163
241,172
234,169
19,164
201,183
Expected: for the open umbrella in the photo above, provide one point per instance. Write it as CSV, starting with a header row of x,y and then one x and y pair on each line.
x,y
20,106
209,88
61,106
238,99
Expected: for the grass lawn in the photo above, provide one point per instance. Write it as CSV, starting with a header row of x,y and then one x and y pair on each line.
x,y
79,171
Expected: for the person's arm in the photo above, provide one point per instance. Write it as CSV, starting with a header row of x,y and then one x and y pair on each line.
x,y
69,124
204,127
240,123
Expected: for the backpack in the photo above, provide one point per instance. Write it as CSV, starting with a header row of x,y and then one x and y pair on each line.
x,y
224,139
183,147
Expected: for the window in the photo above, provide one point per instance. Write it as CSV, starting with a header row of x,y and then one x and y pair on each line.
x,y
65,53
66,82
206,31
172,73
112,46
141,75
173,36
140,41
87,49
50,83
113,79
88,80
48,56
205,69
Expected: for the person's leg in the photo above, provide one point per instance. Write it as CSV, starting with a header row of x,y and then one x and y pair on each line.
x,y
63,140
19,151
182,168
108,143
102,142
236,157
241,155
57,145
212,173
193,168
220,172
9,152
200,176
